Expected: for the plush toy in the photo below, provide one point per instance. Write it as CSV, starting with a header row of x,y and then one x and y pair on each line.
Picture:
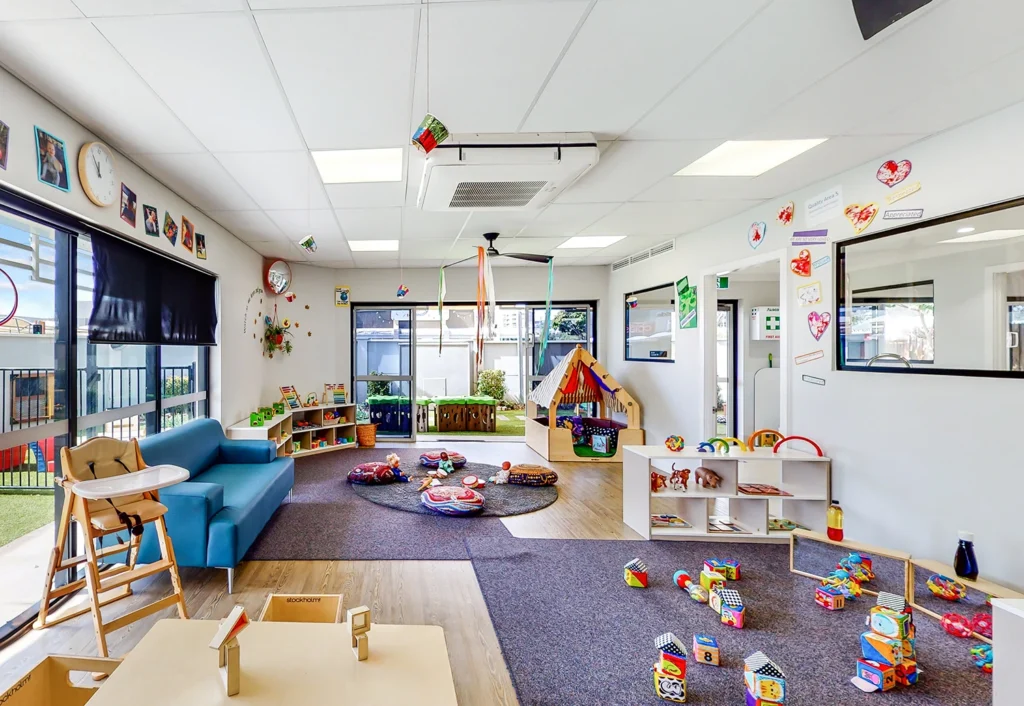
x,y
431,459
394,463
706,478
679,477
445,465
657,482
500,478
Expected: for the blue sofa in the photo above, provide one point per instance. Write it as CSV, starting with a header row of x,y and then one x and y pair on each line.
x,y
233,489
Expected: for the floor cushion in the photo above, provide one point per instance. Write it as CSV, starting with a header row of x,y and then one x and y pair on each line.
x,y
374,473
450,500
531,474
431,459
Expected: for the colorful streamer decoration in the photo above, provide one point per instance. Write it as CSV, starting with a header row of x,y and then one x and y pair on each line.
x,y
547,314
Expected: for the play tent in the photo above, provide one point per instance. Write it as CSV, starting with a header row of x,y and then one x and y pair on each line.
x,y
580,379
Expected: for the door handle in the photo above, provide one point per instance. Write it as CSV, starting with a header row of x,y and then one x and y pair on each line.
x,y
1012,339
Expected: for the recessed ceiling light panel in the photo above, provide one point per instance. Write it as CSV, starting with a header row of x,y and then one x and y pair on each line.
x,y
747,158
373,245
591,241
986,236
359,166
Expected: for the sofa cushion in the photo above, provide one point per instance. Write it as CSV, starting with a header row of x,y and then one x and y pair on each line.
x,y
193,446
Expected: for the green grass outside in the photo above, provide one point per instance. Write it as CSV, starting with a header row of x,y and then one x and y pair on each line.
x,y
20,513
513,425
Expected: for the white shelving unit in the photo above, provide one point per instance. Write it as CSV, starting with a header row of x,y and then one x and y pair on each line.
x,y
298,432
805,476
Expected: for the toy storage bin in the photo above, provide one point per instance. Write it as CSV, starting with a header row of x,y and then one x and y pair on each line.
x,y
391,413
48,683
451,413
480,413
290,608
366,435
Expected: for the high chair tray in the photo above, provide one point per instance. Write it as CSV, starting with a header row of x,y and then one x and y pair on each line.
x,y
152,478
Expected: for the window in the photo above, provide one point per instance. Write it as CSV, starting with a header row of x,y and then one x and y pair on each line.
x,y
650,317
940,296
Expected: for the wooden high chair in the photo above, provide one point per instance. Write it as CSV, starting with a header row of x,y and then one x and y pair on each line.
x,y
107,491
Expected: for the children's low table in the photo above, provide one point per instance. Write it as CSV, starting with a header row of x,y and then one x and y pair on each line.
x,y
284,664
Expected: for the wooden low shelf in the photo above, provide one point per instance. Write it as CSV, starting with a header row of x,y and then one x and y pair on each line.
x,y
285,433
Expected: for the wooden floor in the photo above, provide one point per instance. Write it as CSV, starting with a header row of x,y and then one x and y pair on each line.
x,y
442,593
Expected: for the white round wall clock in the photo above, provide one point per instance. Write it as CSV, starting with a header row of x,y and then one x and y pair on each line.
x,y
97,173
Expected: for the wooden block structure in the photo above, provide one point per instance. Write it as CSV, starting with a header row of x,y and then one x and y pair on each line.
x,y
635,574
669,671
423,417
829,598
225,641
481,416
287,608
729,568
359,624
705,650
48,683
711,579
888,653
451,416
765,681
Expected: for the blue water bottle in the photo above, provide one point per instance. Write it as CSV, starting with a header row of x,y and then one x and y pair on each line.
x,y
964,563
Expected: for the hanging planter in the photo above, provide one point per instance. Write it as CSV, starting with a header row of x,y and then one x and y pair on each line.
x,y
275,336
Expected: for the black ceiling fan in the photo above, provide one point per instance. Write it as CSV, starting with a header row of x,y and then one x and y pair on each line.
x,y
493,252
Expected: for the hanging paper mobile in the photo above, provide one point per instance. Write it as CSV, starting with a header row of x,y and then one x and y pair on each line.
x,y
308,244
429,134
289,296
632,302
402,291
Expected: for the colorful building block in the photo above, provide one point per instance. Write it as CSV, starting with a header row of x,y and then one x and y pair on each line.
x,y
668,687
729,568
881,676
906,672
765,682
829,597
705,650
889,623
636,574
672,659
879,648
710,579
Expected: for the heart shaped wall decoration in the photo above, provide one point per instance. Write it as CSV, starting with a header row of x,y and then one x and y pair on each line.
x,y
801,264
818,323
892,173
860,216
785,215
755,236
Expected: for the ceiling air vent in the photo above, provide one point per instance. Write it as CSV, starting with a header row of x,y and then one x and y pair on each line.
x,y
639,257
495,194
616,266
667,246
660,249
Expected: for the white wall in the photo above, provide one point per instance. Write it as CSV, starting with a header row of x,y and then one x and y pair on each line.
x,y
898,442
236,368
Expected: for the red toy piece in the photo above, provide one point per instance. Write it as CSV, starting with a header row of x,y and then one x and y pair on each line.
x,y
981,623
957,625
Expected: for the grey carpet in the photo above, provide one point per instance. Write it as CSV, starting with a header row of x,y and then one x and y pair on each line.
x,y
499,500
326,520
573,633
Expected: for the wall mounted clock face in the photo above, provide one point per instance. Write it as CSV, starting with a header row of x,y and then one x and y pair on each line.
x,y
96,171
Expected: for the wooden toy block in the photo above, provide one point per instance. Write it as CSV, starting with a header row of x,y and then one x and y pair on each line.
x,y
765,682
829,597
879,648
668,687
729,568
359,624
705,650
710,579
225,641
906,672
882,676
635,574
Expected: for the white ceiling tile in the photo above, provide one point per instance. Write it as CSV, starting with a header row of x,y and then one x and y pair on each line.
x,y
330,249
199,178
299,223
300,4
334,264
138,8
507,223
417,224
530,246
279,249
277,180
627,168
62,59
666,218
376,195
371,223
428,248
762,66
483,77
566,219
347,73
250,226
563,254
628,55
375,260
211,70
37,10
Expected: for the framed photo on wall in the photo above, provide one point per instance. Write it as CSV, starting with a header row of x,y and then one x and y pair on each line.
x,y
200,246
129,205
151,220
52,160
188,233
341,296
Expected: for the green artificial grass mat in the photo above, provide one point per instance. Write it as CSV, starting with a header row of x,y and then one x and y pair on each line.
x,y
588,452
21,513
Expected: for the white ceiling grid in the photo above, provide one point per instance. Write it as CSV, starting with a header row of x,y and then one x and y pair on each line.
x,y
223,99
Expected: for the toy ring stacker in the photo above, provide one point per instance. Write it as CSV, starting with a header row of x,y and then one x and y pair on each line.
x,y
947,588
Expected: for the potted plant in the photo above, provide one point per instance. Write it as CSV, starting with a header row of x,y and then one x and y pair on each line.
x,y
275,336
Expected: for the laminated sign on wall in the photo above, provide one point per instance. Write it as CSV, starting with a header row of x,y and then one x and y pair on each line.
x,y
687,296
765,323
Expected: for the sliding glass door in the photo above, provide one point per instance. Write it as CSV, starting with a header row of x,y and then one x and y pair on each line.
x,y
385,368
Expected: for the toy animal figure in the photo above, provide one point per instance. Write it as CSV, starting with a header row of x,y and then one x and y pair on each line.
x,y
657,482
706,478
679,477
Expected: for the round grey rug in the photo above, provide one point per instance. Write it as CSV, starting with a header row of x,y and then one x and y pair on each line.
x,y
499,500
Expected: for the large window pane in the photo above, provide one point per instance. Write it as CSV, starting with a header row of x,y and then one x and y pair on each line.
x,y
382,341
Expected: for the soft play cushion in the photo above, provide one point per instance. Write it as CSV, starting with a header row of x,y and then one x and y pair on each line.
x,y
374,473
431,459
450,500
530,474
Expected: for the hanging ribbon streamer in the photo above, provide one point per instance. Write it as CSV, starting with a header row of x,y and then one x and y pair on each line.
x,y
441,291
481,304
547,314
492,305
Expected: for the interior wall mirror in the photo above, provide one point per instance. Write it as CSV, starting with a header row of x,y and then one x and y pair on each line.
x,y
944,296
279,276
650,317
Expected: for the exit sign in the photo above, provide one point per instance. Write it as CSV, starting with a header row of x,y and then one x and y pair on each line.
x,y
723,282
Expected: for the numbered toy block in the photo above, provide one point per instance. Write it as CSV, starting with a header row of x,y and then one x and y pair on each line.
x,y
765,682
879,648
636,574
711,579
729,568
672,655
906,672
829,597
881,676
668,687
705,650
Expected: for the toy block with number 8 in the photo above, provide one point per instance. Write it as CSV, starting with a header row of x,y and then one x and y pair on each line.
x,y
705,650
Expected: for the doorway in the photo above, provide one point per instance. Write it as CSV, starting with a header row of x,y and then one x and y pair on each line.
x,y
725,368
384,368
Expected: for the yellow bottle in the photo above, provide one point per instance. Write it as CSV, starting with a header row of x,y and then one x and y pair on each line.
x,y
834,520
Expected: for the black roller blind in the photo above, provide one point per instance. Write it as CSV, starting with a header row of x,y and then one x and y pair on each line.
x,y
144,298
